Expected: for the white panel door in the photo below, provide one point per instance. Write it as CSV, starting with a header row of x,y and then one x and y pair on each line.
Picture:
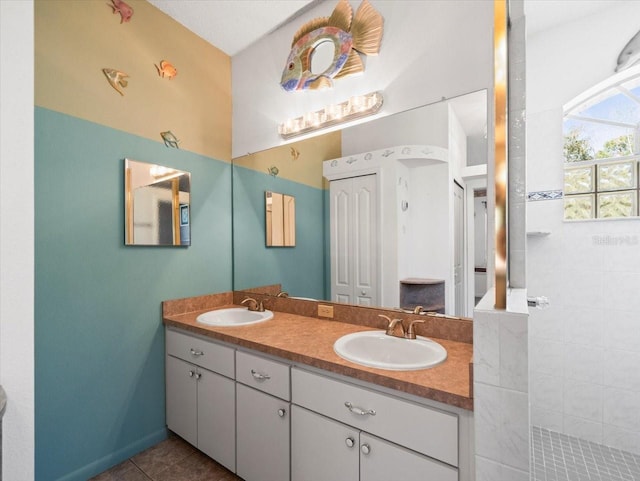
x,y
182,399
354,244
322,449
263,436
216,417
340,197
381,460
365,240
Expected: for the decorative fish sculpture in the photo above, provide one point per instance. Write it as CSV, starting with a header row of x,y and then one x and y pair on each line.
x,y
170,140
166,70
350,36
125,10
116,79
630,53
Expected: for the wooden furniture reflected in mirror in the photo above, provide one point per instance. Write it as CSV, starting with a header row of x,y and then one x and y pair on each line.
x,y
280,225
157,205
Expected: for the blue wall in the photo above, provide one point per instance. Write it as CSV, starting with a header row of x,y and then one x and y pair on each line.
x,y
299,269
99,339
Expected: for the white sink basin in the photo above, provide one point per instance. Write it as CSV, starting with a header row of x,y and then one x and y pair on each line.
x,y
233,316
376,349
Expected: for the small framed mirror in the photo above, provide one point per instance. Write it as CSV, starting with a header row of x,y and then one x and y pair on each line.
x,y
157,205
280,212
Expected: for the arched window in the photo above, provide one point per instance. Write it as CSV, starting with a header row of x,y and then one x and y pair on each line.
x,y
602,150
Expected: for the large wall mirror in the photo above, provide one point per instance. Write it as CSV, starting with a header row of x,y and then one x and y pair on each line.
x,y
419,179
157,205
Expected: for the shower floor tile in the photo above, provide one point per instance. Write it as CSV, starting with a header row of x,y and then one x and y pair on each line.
x,y
559,457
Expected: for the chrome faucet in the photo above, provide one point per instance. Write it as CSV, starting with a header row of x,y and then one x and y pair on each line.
x,y
391,328
253,304
283,294
418,310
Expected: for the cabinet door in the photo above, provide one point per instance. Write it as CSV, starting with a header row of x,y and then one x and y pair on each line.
x,y
322,449
381,461
216,417
181,399
263,436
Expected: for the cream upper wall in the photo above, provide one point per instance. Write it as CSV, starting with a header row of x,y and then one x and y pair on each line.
x,y
300,161
430,49
195,105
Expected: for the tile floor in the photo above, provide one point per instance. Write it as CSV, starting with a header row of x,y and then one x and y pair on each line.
x,y
554,457
559,457
171,460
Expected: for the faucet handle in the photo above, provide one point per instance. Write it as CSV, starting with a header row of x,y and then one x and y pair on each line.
x,y
253,306
392,325
411,333
418,310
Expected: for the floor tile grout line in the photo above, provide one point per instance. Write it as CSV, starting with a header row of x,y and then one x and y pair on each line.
x,y
148,476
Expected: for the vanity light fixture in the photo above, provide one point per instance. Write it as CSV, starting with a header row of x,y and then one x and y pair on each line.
x,y
355,108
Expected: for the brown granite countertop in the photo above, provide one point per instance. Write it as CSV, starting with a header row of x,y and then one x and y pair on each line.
x,y
309,341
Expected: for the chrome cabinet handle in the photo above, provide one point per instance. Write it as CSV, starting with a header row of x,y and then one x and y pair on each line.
x,y
198,375
365,448
259,376
196,353
359,411
350,442
191,373
282,412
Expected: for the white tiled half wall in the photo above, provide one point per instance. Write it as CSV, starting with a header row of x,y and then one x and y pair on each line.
x,y
500,386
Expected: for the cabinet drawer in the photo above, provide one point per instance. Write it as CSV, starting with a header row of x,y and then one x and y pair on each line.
x,y
203,353
417,427
263,374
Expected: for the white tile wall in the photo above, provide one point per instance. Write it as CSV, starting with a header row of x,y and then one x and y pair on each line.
x,y
589,270
584,361
583,428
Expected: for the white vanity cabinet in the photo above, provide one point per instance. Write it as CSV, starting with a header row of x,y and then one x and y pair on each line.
x,y
263,418
343,428
268,421
323,449
201,402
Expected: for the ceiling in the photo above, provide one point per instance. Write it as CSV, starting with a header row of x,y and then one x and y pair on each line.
x,y
545,14
233,25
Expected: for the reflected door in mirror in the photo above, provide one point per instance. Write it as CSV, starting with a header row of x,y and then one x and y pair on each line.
x,y
280,219
354,246
157,205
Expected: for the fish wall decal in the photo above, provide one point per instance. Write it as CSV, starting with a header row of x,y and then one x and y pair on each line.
x,y
630,53
350,36
116,79
166,70
125,10
170,140
273,171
